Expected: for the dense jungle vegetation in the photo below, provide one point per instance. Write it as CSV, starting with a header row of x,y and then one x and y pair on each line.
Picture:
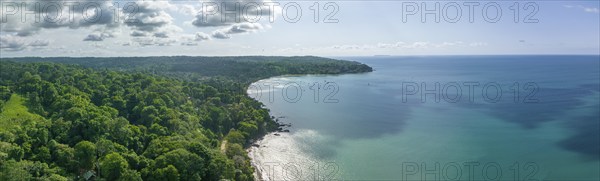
x,y
138,118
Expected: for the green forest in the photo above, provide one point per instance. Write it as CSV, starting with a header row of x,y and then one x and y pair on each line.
x,y
136,118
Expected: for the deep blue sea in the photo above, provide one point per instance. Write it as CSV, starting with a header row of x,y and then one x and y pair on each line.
x,y
437,118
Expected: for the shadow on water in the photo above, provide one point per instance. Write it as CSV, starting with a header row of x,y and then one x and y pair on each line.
x,y
586,140
375,111
553,104
372,117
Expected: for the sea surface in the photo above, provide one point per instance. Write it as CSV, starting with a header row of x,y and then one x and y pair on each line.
x,y
436,118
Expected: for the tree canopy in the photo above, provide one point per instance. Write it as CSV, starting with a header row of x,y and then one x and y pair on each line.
x,y
159,118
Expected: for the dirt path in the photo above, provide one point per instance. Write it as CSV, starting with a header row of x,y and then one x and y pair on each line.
x,y
223,146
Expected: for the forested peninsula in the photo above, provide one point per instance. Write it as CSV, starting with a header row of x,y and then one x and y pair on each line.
x,y
138,118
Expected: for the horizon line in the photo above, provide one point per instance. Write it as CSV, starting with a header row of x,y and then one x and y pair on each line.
x,y
325,56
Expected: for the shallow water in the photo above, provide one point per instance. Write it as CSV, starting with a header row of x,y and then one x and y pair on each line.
x,y
490,117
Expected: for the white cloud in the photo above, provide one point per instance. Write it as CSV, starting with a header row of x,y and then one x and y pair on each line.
x,y
591,10
161,34
405,45
189,43
39,43
16,43
425,45
149,41
194,39
583,8
201,36
243,28
390,45
187,9
87,14
400,45
97,36
249,11
239,28
418,44
12,43
478,44
218,34
151,18
139,33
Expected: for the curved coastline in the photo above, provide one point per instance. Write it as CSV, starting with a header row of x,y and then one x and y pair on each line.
x,y
274,136
450,133
260,173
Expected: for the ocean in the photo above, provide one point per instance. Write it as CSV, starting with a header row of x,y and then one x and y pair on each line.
x,y
436,118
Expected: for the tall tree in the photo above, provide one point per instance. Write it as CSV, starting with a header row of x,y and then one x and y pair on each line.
x,y
85,154
113,166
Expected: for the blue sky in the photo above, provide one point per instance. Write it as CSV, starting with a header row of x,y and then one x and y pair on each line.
x,y
363,28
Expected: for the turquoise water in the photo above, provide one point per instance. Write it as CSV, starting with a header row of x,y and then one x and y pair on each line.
x,y
545,125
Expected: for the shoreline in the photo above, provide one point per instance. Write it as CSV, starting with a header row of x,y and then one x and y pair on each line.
x,y
283,128
274,152
258,172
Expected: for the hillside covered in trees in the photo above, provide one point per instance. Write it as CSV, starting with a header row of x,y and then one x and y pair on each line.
x,y
245,69
157,118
